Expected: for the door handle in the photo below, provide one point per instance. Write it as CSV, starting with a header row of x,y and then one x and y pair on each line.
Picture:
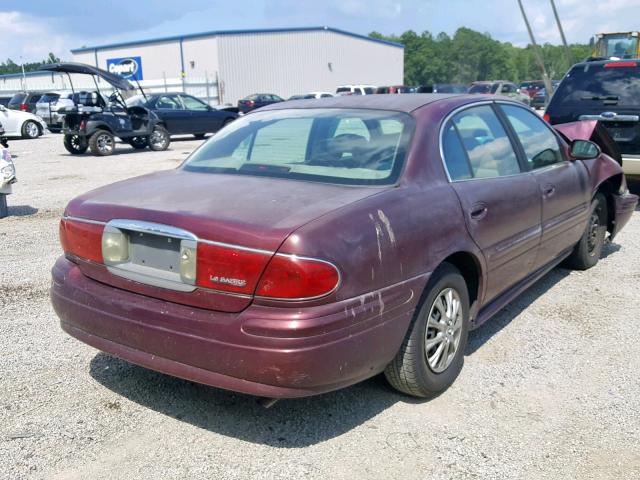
x,y
549,190
478,211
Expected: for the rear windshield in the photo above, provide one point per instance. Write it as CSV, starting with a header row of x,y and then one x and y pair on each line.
x,y
17,99
600,86
444,88
49,98
352,147
481,88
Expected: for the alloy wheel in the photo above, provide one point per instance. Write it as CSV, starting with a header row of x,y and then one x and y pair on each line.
x,y
105,144
158,139
444,327
32,130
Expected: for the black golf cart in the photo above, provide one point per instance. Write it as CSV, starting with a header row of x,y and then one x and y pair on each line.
x,y
93,122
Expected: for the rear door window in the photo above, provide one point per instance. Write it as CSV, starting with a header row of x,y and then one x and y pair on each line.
x,y
166,102
191,103
487,146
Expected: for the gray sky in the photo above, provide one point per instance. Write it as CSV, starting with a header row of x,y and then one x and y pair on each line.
x,y
31,29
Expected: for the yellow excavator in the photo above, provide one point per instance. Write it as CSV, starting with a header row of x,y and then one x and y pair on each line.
x,y
620,45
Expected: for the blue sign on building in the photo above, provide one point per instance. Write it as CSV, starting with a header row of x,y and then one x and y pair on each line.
x,y
127,67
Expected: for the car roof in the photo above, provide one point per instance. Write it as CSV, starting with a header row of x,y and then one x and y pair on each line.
x,y
399,103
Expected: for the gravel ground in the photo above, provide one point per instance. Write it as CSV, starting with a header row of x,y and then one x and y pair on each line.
x,y
550,387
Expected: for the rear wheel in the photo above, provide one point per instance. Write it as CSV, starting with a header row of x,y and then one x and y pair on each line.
x,y
139,142
432,353
102,143
588,250
75,144
30,129
159,139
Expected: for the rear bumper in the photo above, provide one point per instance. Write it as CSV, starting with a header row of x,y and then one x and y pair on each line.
x,y
264,351
624,207
631,165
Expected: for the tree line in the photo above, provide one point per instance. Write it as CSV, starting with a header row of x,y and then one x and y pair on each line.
x,y
9,66
470,55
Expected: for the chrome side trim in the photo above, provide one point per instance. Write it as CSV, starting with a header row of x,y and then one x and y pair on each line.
x,y
83,220
614,118
235,247
152,228
167,230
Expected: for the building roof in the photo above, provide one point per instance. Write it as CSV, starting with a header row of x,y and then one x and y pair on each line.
x,y
213,33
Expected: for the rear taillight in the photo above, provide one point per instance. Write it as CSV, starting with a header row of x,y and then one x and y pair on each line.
x,y
251,103
291,277
546,117
83,124
24,107
228,268
620,65
82,239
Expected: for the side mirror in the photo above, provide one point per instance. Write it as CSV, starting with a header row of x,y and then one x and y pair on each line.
x,y
584,150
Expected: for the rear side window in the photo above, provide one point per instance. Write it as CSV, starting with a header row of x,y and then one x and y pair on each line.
x,y
486,144
540,145
599,85
34,98
17,99
480,88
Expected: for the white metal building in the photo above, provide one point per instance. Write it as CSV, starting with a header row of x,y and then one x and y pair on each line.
x,y
225,66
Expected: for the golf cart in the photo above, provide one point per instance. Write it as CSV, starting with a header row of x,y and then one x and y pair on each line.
x,y
93,122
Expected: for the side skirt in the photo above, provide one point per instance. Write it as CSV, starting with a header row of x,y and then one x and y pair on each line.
x,y
511,293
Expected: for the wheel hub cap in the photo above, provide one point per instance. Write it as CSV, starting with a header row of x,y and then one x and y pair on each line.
x,y
444,328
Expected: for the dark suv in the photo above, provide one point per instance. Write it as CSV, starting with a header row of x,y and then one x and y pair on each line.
x,y
608,91
25,101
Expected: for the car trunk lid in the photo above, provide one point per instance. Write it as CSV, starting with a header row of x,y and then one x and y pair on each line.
x,y
236,212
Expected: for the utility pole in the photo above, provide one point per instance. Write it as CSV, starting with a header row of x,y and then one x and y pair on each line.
x,y
564,39
537,54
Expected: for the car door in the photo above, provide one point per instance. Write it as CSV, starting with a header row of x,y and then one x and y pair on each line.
x,y
9,121
171,111
500,201
563,184
203,119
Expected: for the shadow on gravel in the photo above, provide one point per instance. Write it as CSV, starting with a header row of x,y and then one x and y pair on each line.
x,y
294,423
22,210
478,337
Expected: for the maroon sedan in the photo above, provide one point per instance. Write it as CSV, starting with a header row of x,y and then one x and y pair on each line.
x,y
313,244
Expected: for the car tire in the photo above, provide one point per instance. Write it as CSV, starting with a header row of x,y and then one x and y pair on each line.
x,y
199,136
75,144
4,210
587,251
139,143
30,130
102,143
417,370
159,139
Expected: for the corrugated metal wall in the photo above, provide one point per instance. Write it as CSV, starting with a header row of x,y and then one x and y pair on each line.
x,y
283,62
289,63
